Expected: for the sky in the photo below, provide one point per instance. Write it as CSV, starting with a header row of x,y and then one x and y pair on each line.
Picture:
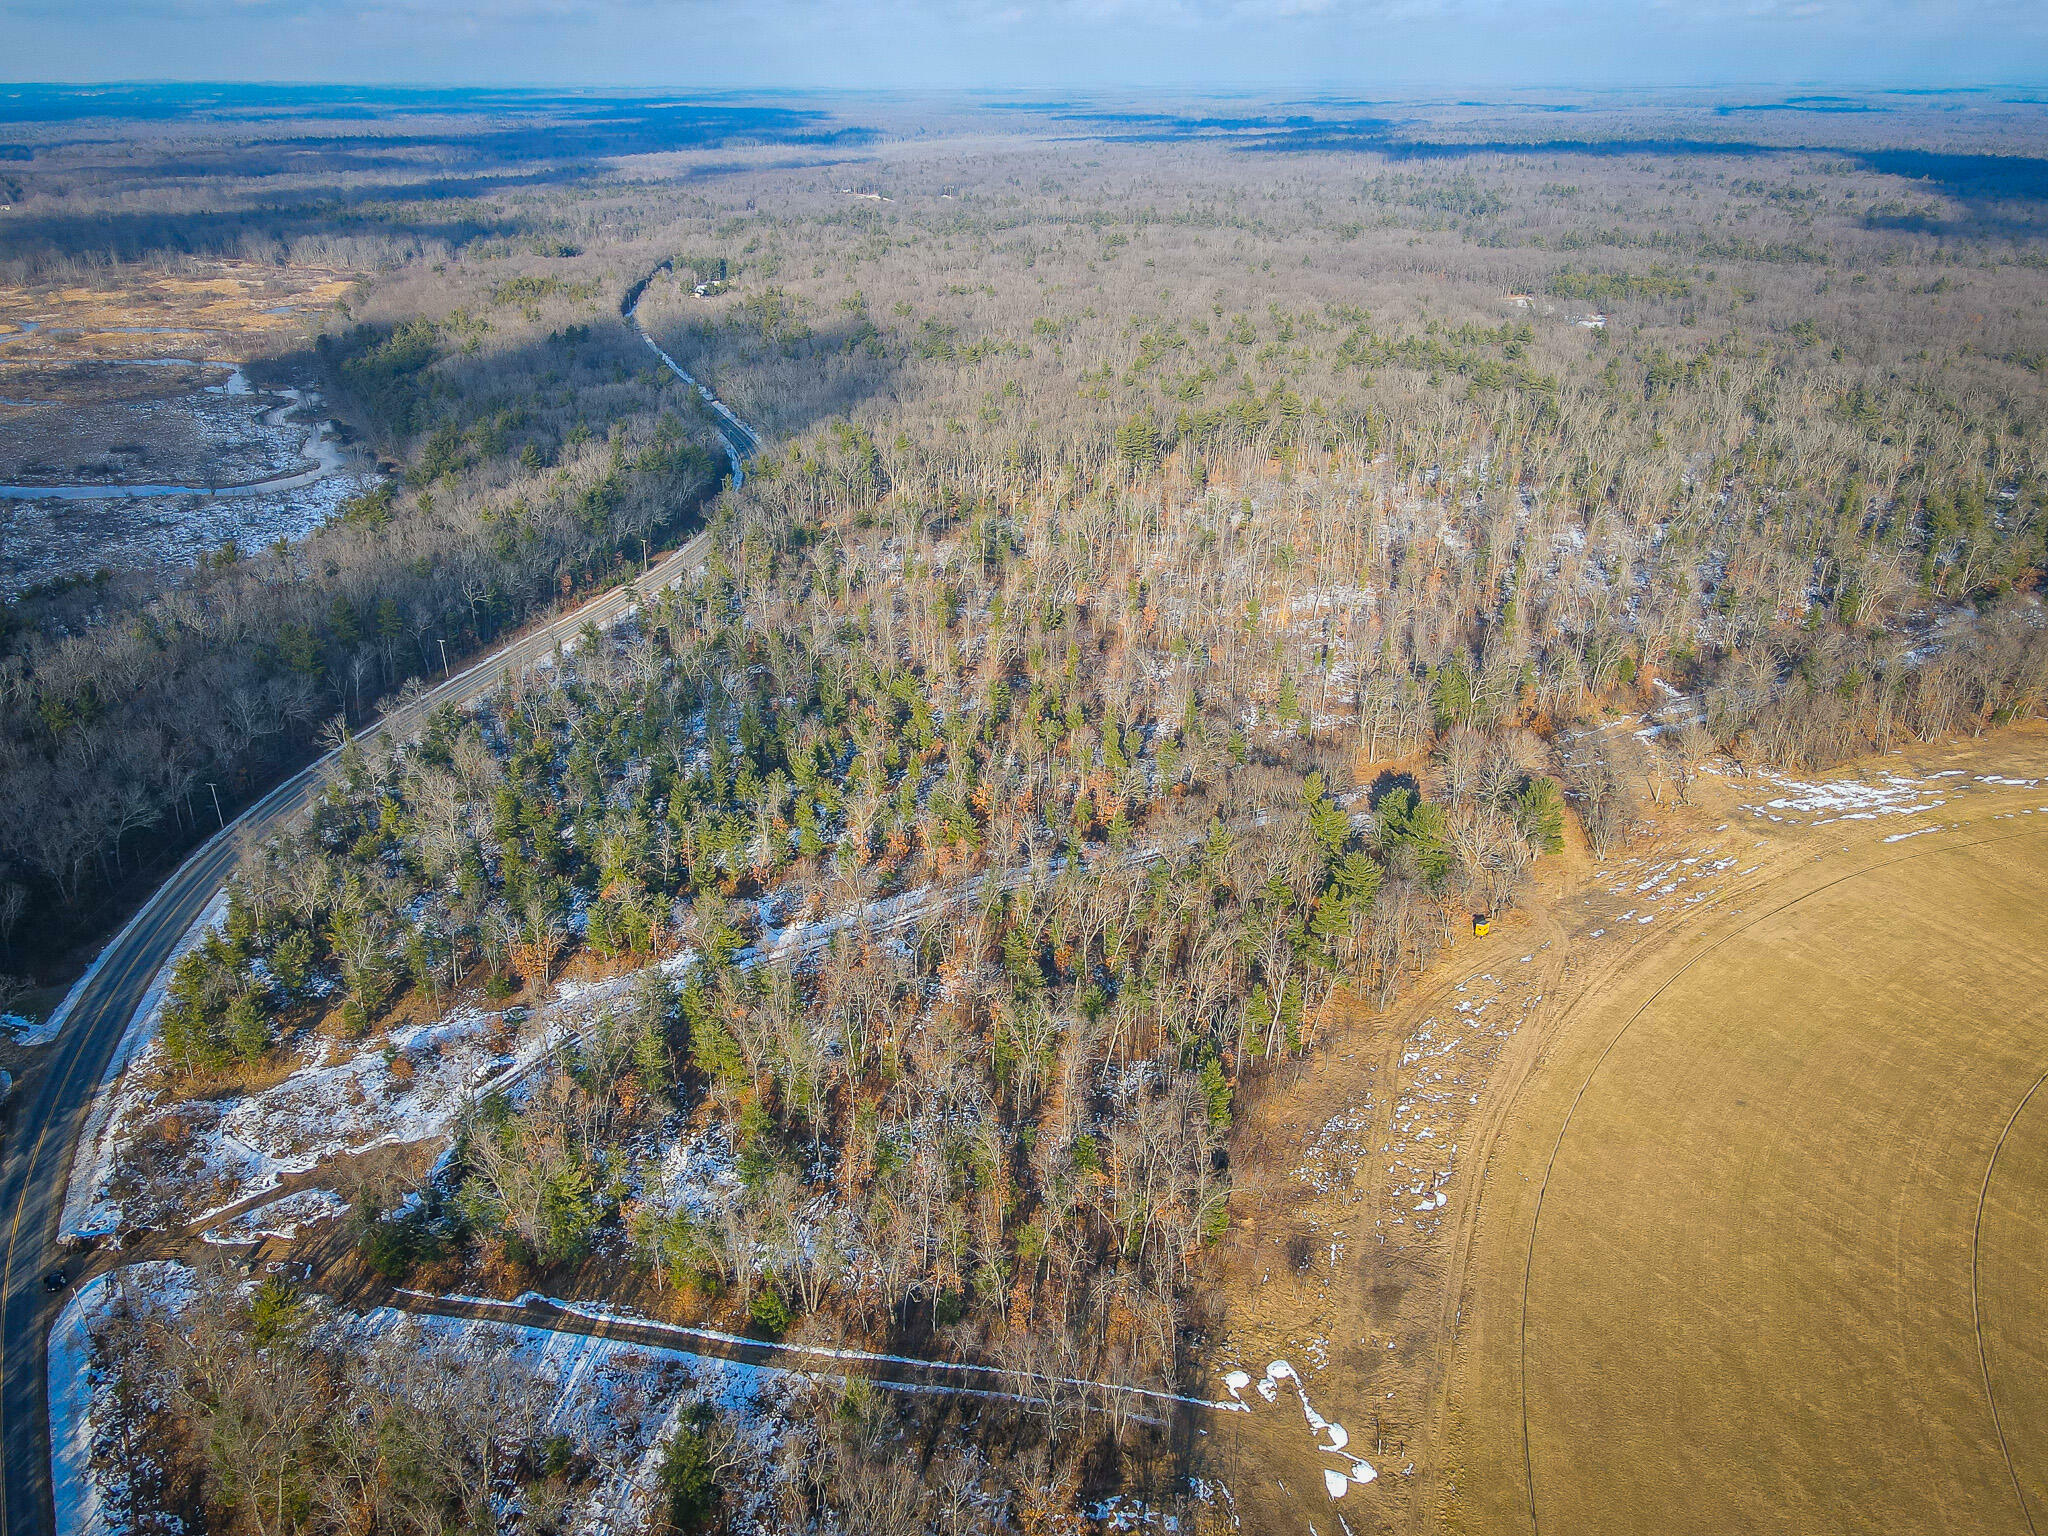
x,y
1342,45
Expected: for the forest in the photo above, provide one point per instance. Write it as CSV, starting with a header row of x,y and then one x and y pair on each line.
x,y
1189,576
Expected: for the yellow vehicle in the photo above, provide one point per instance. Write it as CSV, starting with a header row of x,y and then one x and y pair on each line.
x,y
1482,925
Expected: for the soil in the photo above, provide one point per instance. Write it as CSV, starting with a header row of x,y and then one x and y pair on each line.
x,y
1748,1301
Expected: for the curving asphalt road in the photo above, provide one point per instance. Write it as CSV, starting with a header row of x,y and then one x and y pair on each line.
x,y
41,1146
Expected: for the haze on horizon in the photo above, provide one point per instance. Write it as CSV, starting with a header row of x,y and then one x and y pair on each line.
x,y
1315,45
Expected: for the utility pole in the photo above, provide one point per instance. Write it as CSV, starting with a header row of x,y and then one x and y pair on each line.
x,y
216,805
444,656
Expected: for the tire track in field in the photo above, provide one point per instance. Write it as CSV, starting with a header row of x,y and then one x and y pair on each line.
x,y
1976,1311
1550,1165
1529,1052
1519,1061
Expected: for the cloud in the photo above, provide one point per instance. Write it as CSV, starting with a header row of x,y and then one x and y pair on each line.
x,y
922,43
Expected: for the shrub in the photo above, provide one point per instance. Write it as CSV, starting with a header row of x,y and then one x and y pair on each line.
x,y
688,1477
1539,813
770,1313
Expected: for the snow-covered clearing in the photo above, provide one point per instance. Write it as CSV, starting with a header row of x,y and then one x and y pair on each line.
x,y
282,1217
205,1155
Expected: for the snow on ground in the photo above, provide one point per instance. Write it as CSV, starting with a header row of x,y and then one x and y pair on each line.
x,y
1640,889
281,1217
616,1401
975,1380
208,1154
1336,1148
1818,802
1121,1512
80,1398
144,1022
284,471
195,1157
1649,884
1330,1438
27,1031
408,1087
1900,837
699,1172
96,1145
884,914
1444,1063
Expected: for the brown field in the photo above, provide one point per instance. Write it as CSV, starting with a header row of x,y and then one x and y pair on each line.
x,y
111,383
1760,1238
217,311
132,384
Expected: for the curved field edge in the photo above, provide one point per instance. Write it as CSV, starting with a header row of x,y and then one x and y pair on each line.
x,y
1732,1324
2011,1276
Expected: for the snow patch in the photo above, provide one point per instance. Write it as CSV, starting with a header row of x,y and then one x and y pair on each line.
x,y
75,1387
282,1217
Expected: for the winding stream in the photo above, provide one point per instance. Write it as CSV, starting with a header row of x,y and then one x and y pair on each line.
x,y
322,453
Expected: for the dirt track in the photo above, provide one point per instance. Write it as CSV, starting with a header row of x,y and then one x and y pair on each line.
x,y
1749,1298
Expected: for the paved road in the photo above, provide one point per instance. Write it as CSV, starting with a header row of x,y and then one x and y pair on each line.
x,y
41,1146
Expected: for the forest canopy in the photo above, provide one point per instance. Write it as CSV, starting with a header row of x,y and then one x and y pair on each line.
x,y
1190,573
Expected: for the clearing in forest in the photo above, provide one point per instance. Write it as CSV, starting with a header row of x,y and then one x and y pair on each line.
x,y
1736,1217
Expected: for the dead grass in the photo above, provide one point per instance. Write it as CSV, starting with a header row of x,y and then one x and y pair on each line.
x,y
70,405
1750,1298
223,316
